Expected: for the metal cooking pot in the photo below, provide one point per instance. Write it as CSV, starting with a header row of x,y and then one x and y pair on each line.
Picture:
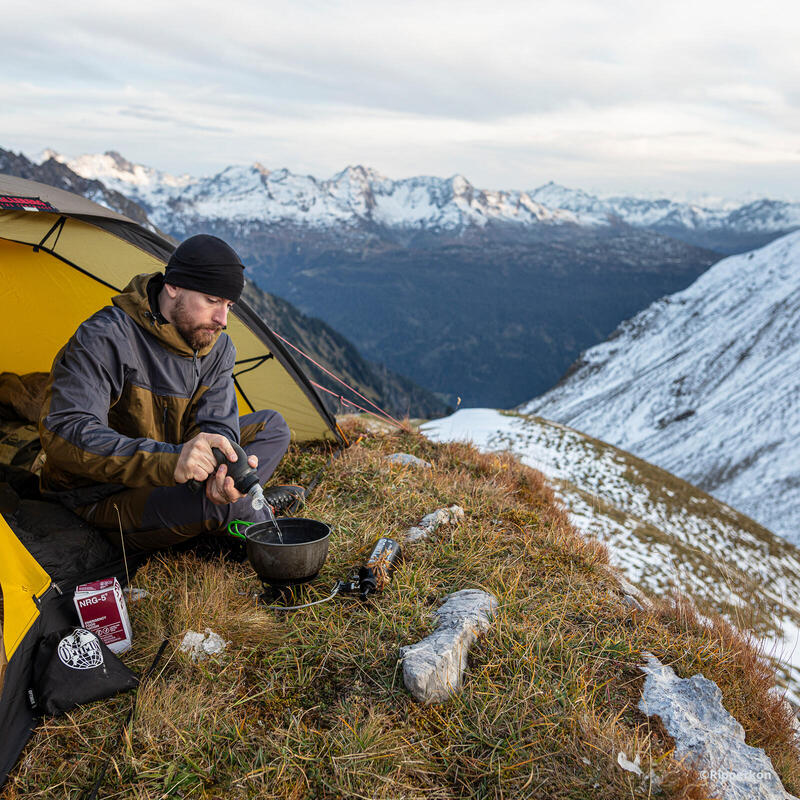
x,y
297,560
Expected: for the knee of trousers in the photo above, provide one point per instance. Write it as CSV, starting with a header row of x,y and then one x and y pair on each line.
x,y
264,426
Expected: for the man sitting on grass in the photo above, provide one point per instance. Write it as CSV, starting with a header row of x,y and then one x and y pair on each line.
x,y
141,394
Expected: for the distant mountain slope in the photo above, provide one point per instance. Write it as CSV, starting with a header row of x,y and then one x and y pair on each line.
x,y
487,296
662,532
391,391
55,173
706,384
490,315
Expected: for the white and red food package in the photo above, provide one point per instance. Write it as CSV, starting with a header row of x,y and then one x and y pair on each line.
x,y
102,610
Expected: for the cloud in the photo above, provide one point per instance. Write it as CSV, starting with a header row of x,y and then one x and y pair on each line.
x,y
501,94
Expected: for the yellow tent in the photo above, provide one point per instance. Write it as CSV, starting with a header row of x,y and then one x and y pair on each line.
x,y
63,257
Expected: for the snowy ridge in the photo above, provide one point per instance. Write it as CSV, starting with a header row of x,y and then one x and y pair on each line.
x,y
706,384
759,216
661,532
353,196
359,195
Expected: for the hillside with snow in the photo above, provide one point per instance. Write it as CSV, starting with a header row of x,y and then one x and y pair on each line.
x,y
725,226
662,533
706,384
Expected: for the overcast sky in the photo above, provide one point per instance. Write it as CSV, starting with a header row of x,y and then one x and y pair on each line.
x,y
682,97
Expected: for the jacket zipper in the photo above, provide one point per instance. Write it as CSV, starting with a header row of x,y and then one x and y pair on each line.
x,y
196,373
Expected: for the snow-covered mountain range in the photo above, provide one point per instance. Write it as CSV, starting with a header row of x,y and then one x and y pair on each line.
x,y
661,532
725,226
357,196
706,384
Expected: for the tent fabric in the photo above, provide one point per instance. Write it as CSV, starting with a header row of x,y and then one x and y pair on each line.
x,y
63,201
17,721
23,582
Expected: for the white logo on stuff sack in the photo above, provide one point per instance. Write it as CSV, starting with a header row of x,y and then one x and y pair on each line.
x,y
80,650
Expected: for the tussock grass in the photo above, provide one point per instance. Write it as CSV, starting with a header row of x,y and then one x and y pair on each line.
x,y
312,704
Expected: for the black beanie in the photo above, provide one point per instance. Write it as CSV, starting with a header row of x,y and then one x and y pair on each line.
x,y
206,264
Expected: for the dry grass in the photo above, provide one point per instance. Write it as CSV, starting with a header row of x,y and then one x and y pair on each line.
x,y
312,705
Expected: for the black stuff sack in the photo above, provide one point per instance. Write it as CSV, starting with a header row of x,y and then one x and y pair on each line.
x,y
73,667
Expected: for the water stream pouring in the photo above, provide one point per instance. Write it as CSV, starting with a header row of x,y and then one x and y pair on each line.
x,y
245,479
270,517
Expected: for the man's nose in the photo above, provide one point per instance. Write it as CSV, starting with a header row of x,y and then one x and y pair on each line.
x,y
221,316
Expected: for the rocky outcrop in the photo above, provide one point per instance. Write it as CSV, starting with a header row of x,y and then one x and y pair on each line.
x,y
433,669
707,737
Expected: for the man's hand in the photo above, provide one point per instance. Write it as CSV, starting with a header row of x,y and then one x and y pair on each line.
x,y
196,461
220,489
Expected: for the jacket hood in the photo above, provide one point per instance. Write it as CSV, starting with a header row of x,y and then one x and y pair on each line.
x,y
134,301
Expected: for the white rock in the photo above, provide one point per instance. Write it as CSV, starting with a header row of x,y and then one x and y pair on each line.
x,y
415,534
433,669
407,460
707,736
629,766
200,646
631,602
436,518
430,522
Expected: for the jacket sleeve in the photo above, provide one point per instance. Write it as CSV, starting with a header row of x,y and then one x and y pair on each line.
x,y
216,409
87,378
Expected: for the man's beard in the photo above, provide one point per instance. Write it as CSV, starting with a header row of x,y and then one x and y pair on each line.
x,y
197,337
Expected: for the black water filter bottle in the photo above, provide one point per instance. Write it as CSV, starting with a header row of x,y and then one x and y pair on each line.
x,y
374,575
245,478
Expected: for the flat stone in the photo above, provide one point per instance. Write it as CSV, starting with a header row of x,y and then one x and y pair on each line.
x,y
433,669
407,460
707,736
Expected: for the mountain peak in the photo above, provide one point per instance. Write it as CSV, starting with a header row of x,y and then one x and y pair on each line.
x,y
359,174
119,161
46,154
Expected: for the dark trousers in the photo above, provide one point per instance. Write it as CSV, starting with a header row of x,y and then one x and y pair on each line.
x,y
155,517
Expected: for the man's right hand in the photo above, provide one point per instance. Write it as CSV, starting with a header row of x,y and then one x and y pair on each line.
x,y
196,461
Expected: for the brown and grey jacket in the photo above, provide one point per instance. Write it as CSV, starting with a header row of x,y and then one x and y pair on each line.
x,y
125,393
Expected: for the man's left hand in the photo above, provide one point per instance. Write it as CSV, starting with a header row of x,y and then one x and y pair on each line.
x,y
219,486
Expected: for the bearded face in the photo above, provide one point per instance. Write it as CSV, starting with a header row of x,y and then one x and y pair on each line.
x,y
194,323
